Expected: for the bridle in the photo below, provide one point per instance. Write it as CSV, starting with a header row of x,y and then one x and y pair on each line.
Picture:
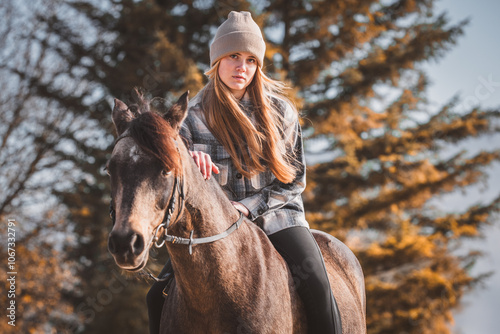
x,y
177,188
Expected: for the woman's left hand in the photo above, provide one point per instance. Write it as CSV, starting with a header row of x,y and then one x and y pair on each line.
x,y
241,208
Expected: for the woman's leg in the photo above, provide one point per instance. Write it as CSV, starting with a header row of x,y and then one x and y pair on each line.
x,y
303,256
155,299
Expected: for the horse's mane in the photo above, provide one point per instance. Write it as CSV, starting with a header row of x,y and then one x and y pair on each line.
x,y
152,132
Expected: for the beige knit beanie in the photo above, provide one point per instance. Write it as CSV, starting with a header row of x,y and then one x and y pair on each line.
x,y
239,33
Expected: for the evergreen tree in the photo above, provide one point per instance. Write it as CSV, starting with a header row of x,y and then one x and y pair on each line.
x,y
357,65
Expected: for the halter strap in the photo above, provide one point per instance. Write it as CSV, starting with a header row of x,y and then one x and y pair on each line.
x,y
205,240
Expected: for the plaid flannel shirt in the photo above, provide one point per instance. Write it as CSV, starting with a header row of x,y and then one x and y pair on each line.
x,y
273,205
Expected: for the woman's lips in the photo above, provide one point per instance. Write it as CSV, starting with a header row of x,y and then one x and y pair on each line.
x,y
237,77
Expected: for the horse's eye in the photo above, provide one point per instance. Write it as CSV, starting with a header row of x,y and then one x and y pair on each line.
x,y
166,172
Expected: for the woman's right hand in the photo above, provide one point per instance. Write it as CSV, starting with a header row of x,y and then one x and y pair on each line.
x,y
204,163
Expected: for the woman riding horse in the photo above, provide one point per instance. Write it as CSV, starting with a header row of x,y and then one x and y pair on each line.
x,y
242,130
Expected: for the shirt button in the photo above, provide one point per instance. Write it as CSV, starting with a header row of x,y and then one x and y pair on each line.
x,y
239,176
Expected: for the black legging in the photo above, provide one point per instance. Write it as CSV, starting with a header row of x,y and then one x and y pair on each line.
x,y
303,256
301,252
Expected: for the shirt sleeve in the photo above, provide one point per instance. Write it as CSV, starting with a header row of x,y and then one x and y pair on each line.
x,y
277,194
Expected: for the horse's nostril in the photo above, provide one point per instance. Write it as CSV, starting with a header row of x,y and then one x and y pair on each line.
x,y
123,244
111,245
137,243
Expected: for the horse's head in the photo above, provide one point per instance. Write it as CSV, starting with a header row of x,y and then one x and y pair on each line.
x,y
143,167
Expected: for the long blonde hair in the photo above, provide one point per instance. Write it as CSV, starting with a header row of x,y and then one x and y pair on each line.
x,y
253,147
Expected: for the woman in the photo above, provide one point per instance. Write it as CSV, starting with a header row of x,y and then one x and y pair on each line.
x,y
241,129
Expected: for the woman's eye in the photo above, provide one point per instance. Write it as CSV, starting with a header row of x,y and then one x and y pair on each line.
x,y
166,172
106,170
251,60
233,56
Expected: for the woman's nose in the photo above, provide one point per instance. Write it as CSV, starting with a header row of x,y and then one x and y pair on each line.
x,y
241,67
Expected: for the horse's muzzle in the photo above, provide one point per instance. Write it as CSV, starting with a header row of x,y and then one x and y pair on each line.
x,y
126,248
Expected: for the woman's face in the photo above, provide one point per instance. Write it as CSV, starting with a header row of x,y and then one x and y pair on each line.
x,y
237,71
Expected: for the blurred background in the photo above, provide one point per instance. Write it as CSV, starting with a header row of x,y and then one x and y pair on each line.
x,y
399,103
463,71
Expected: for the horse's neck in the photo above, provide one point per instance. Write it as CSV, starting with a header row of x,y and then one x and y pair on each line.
x,y
202,275
207,209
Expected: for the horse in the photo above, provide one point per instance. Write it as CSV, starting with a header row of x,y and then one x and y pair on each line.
x,y
228,276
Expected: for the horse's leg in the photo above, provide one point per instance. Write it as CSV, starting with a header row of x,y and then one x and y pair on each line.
x,y
303,256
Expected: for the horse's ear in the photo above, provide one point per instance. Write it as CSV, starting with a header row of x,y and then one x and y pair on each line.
x,y
121,116
178,112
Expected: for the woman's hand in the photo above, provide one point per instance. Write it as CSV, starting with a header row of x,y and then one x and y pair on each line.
x,y
204,163
241,208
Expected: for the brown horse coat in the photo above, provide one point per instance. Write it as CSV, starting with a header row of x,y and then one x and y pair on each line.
x,y
239,284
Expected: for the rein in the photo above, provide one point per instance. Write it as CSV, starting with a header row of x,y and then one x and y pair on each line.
x,y
178,187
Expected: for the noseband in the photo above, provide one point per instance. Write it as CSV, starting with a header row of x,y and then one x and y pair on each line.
x,y
179,188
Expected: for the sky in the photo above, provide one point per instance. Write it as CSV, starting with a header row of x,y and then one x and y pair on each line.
x,y
471,70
